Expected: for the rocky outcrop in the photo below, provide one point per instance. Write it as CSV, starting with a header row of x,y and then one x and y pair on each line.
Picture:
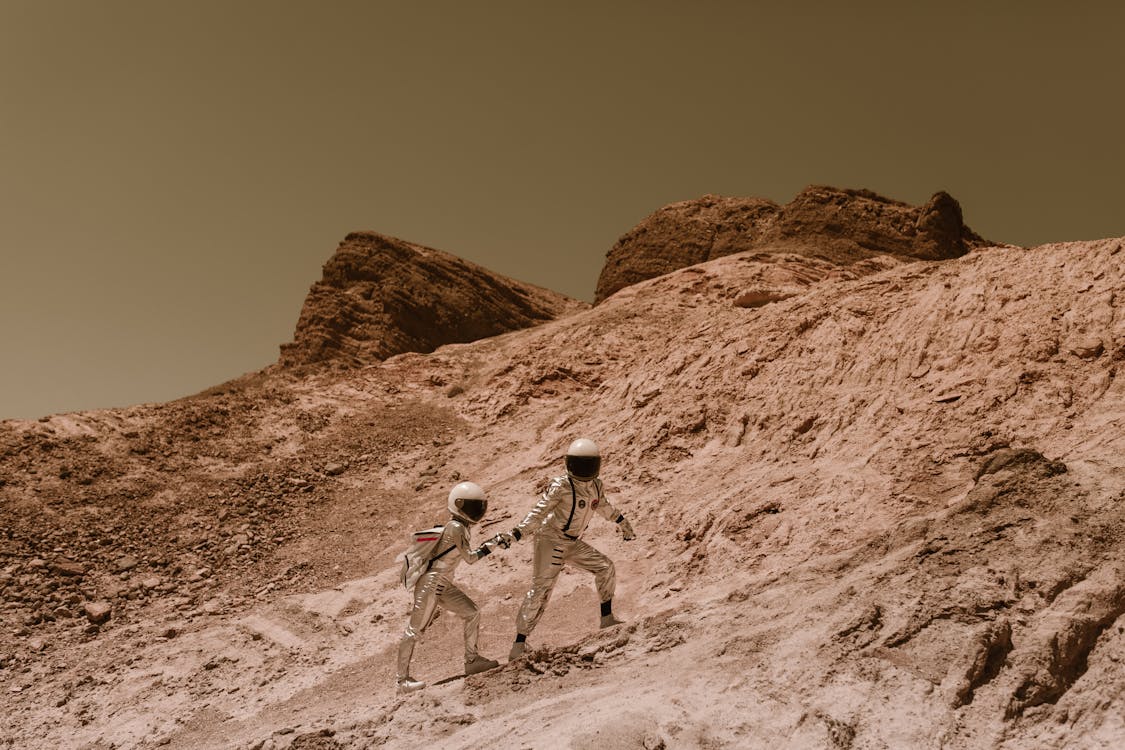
x,y
839,225
381,296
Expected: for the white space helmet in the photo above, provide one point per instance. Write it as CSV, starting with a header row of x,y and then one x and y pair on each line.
x,y
467,501
583,460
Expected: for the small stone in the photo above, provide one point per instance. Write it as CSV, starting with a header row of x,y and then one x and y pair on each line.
x,y
150,583
1088,348
97,612
36,644
126,563
68,568
212,607
199,575
333,470
760,297
169,632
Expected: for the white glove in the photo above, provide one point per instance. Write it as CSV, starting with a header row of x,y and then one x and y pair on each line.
x,y
627,532
504,539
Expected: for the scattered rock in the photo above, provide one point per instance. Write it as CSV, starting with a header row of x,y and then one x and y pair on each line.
x,y
1088,348
1010,458
126,563
68,568
334,469
97,612
759,297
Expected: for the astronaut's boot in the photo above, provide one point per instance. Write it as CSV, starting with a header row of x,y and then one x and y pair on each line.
x,y
480,664
409,685
608,620
517,650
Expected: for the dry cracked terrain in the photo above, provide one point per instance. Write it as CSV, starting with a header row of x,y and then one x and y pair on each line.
x,y
879,504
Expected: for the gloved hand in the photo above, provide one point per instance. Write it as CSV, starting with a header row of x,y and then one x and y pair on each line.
x,y
627,532
503,539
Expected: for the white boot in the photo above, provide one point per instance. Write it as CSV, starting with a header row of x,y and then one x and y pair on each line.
x,y
409,685
480,664
517,650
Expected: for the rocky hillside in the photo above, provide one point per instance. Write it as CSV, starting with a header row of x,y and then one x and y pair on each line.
x,y
380,296
879,505
842,226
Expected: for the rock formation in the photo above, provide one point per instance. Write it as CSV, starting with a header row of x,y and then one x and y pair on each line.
x,y
877,505
838,225
381,296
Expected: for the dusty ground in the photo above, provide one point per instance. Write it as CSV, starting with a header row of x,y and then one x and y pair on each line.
x,y
877,506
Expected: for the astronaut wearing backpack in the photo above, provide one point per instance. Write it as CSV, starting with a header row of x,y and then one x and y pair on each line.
x,y
428,568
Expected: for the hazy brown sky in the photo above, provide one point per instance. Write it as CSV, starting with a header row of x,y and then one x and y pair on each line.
x,y
173,174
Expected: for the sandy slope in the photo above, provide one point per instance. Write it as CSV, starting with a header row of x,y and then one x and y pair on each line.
x,y
878,507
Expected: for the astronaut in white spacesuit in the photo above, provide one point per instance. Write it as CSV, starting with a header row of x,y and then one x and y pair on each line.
x,y
435,589
557,521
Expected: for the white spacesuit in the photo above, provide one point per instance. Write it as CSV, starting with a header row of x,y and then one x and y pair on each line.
x,y
435,589
558,521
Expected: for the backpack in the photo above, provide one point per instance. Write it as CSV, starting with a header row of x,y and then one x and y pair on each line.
x,y
419,556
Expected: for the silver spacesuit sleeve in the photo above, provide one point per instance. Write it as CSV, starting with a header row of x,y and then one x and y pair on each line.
x,y
605,508
461,539
548,501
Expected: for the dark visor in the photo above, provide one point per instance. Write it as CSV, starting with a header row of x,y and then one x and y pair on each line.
x,y
472,509
583,467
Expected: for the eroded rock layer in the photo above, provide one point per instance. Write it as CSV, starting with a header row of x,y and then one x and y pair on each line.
x,y
381,296
839,225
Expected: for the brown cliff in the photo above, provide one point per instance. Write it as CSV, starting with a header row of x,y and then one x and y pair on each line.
x,y
381,296
842,226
